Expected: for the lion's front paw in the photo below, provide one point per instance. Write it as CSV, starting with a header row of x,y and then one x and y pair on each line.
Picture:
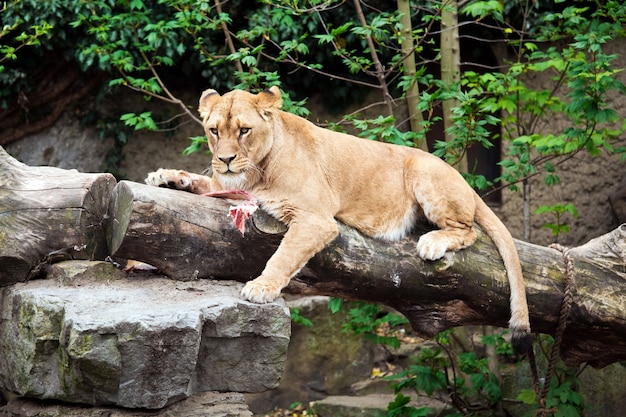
x,y
260,291
170,178
432,246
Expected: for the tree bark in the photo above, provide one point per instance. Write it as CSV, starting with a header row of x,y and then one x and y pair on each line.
x,y
46,214
189,236
416,118
44,210
451,67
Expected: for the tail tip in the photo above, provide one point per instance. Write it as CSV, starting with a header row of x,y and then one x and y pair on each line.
x,y
521,339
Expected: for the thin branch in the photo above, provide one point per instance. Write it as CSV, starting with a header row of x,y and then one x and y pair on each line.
x,y
171,97
229,40
296,63
380,72
343,56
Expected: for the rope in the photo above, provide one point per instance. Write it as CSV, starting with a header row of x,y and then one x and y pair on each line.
x,y
566,306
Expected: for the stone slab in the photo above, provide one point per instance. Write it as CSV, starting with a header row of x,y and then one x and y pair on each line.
x,y
372,405
207,404
138,341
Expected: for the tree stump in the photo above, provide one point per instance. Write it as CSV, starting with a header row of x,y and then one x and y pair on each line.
x,y
48,213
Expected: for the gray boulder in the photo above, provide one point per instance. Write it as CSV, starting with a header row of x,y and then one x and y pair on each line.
x,y
95,336
206,404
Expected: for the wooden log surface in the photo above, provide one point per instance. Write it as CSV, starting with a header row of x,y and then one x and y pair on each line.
x,y
47,212
189,236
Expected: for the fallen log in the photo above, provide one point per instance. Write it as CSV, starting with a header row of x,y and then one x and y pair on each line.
x,y
188,236
48,213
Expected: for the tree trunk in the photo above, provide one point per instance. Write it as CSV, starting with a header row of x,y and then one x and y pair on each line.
x,y
189,236
416,118
451,67
46,214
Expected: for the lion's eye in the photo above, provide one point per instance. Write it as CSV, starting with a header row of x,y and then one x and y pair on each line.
x,y
243,131
213,131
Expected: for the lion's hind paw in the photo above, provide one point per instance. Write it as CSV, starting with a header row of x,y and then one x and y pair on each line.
x,y
432,246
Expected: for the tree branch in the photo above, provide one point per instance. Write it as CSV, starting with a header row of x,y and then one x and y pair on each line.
x,y
380,72
189,236
229,39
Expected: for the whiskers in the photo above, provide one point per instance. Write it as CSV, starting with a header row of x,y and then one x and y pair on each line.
x,y
244,178
253,173
208,171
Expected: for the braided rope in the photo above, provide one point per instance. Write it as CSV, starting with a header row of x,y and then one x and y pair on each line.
x,y
566,306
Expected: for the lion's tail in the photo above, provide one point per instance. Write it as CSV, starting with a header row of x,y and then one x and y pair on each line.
x,y
521,338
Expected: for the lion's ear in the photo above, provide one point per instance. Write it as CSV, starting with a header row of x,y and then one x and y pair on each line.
x,y
270,98
207,100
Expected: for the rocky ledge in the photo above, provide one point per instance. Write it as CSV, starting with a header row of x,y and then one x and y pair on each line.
x,y
94,335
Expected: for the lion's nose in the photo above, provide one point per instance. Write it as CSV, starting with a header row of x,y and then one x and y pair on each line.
x,y
227,159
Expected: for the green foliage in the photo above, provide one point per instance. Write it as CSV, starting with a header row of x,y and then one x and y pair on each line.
x,y
335,304
141,121
559,210
563,398
367,319
17,32
585,73
142,44
580,69
502,345
383,129
196,144
400,407
434,373
30,37
298,318
483,9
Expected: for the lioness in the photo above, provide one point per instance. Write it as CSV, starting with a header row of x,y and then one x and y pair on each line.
x,y
307,177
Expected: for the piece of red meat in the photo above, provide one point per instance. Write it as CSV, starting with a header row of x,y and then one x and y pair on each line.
x,y
241,212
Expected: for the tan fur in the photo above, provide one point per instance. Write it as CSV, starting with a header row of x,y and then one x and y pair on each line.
x,y
308,176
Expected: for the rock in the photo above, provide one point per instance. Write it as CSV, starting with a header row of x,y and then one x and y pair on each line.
x,y
373,405
138,341
618,203
322,360
207,404
68,144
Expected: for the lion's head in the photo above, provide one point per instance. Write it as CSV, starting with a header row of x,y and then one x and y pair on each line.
x,y
238,127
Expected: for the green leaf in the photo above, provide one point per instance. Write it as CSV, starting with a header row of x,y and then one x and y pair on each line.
x,y
567,410
249,60
322,39
398,402
527,396
296,317
136,5
335,304
482,9
428,379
